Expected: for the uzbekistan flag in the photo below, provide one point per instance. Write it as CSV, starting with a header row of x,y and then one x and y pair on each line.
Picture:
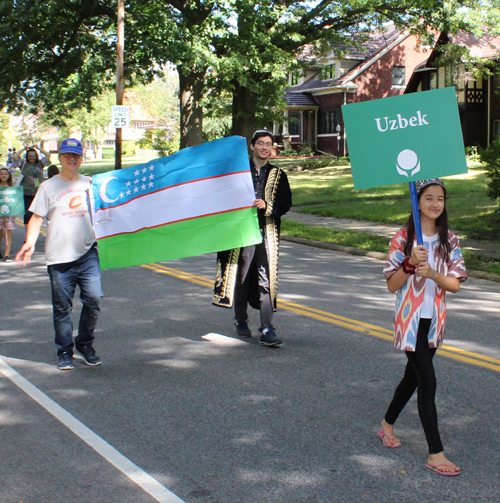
x,y
199,200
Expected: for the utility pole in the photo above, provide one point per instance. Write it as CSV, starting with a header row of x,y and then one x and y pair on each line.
x,y
120,44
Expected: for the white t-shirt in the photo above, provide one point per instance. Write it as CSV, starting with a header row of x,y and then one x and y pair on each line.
x,y
66,205
430,286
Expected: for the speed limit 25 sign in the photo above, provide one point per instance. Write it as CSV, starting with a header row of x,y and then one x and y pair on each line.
x,y
120,116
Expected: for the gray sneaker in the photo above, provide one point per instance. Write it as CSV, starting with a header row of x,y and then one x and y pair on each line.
x,y
89,356
269,338
65,362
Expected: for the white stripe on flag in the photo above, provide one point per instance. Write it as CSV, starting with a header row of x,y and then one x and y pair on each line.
x,y
182,202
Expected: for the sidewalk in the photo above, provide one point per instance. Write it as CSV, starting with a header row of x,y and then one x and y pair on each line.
x,y
484,248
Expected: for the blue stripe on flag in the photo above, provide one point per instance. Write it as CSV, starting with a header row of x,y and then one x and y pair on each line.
x,y
209,160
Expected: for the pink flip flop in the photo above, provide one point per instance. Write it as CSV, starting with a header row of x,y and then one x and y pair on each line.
x,y
390,445
442,472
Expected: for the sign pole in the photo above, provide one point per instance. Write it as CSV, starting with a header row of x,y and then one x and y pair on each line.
x,y
119,78
416,213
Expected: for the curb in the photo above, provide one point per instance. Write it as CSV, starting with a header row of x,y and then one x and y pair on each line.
x,y
372,254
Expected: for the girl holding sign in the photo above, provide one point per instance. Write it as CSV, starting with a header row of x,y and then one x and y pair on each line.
x,y
6,222
421,275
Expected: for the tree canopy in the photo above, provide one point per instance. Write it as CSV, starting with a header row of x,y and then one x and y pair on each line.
x,y
62,52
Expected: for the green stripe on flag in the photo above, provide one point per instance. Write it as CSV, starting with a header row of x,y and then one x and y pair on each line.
x,y
188,238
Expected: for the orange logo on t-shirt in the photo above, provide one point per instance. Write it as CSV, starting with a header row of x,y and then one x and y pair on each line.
x,y
75,202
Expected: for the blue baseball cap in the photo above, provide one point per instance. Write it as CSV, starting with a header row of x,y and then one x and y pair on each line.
x,y
71,145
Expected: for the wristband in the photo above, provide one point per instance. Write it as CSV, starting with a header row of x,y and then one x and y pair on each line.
x,y
407,267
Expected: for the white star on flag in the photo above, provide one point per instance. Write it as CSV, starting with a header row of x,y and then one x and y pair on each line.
x,y
136,172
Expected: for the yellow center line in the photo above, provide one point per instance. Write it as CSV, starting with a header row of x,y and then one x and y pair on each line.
x,y
359,326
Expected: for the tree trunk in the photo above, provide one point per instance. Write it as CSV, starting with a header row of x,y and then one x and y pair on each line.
x,y
191,86
243,111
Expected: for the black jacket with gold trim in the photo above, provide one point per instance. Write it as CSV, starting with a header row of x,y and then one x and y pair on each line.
x,y
278,197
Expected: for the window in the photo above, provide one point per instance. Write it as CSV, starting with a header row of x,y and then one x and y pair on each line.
x,y
433,80
398,75
328,121
451,76
328,72
294,79
496,82
496,129
293,123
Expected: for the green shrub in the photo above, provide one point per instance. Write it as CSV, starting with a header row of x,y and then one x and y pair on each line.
x,y
472,154
289,152
491,156
314,163
128,147
108,153
305,150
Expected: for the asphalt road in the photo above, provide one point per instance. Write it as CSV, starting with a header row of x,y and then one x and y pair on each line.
x,y
184,411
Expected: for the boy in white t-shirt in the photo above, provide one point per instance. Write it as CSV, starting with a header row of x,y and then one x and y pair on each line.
x,y
71,253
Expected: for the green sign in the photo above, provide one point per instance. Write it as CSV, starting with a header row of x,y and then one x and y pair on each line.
x,y
11,201
405,138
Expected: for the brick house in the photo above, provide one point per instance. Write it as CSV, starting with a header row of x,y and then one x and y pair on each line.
x,y
382,68
478,99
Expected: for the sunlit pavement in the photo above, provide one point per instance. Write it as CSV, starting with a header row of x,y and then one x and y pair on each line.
x,y
215,418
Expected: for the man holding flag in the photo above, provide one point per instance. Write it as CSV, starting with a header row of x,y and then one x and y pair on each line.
x,y
249,275
71,253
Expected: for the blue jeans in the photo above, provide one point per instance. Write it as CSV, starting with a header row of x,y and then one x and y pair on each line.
x,y
86,273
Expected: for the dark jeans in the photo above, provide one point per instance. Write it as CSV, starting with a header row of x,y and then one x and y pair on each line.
x,y
419,374
27,203
253,257
86,273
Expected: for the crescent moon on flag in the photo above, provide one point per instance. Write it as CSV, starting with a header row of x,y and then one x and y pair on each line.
x,y
102,190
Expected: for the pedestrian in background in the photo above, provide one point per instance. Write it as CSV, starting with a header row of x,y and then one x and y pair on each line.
x,y
71,253
52,170
6,221
31,174
421,275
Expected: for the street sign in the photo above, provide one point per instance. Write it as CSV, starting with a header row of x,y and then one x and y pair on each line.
x,y
404,138
120,116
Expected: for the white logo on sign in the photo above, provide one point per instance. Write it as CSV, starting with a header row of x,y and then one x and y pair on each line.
x,y
407,161
4,209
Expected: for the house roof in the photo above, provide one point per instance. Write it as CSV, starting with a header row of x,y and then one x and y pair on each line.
x,y
371,49
300,99
486,47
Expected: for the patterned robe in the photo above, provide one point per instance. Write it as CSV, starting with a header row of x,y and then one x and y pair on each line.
x,y
411,295
278,197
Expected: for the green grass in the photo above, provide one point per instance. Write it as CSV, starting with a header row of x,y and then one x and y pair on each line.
x,y
355,239
330,192
371,242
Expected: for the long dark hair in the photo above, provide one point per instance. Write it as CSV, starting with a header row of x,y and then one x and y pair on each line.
x,y
441,224
9,180
32,150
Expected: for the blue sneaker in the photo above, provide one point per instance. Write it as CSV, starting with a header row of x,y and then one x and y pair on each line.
x,y
269,338
89,356
65,362
242,329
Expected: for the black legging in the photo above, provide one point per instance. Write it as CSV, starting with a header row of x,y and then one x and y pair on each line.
x,y
27,203
419,374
